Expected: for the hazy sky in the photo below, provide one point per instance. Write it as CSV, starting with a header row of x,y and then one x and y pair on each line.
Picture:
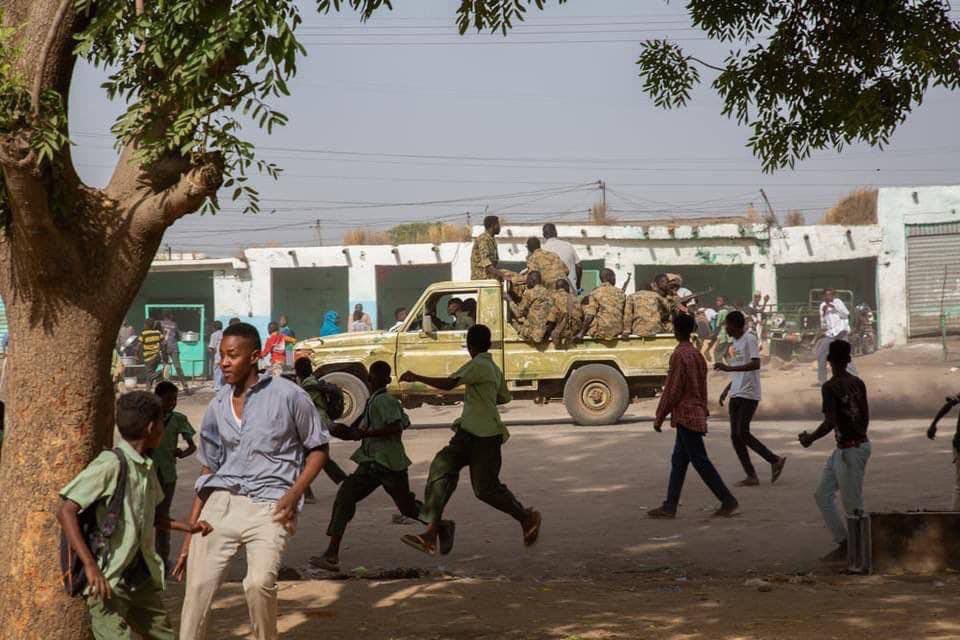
x,y
402,111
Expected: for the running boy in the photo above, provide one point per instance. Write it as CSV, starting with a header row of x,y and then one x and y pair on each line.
x,y
165,456
126,581
478,438
382,461
275,349
309,383
951,402
848,416
744,392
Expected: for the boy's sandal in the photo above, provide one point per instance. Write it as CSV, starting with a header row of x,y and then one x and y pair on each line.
x,y
323,562
418,543
531,533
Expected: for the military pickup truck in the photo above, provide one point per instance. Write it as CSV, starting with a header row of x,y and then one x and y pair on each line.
x,y
595,379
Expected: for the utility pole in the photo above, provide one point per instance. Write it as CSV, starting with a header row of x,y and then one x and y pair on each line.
x,y
773,216
468,220
603,195
318,230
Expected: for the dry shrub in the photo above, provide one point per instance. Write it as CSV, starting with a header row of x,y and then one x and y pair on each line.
x,y
752,215
448,233
600,215
859,207
365,236
794,219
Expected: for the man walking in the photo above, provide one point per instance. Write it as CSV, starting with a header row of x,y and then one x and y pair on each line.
x,y
847,414
171,348
744,392
262,443
566,252
214,349
684,399
835,322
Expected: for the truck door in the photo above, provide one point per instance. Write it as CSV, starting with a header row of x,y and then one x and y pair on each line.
x,y
442,350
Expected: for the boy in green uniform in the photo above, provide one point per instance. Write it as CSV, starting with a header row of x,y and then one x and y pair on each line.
x,y
165,456
309,383
125,582
479,436
382,462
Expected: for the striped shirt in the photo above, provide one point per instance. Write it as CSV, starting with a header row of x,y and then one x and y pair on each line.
x,y
151,339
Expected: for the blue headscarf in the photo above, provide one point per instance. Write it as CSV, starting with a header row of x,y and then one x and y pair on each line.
x,y
330,327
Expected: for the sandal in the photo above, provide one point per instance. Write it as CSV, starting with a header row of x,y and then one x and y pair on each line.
x,y
325,563
532,531
419,543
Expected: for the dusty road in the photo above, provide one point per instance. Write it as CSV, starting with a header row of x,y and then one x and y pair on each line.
x,y
601,569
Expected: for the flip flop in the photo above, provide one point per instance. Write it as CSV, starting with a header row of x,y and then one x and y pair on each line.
x,y
322,562
418,543
531,533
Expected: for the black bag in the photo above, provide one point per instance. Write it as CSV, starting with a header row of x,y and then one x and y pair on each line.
x,y
96,536
332,398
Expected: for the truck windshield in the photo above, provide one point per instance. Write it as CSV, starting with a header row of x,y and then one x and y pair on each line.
x,y
450,310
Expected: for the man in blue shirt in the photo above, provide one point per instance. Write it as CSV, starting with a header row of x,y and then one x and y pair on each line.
x,y
261,445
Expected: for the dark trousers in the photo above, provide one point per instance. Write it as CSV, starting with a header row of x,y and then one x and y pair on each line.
x,y
151,368
163,535
368,477
741,413
483,457
689,449
173,358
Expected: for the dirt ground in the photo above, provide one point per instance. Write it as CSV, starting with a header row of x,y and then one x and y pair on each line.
x,y
601,569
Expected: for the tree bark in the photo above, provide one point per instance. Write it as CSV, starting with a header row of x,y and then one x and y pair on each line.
x,y
67,281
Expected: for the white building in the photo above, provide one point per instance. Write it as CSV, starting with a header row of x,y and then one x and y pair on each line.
x,y
898,267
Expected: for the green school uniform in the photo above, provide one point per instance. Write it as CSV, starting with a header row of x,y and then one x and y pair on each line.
x,y
165,455
485,389
141,609
311,385
382,410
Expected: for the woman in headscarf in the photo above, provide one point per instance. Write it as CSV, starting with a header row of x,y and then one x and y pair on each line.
x,y
330,326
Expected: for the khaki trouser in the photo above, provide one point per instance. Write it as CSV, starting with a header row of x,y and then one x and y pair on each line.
x,y
237,522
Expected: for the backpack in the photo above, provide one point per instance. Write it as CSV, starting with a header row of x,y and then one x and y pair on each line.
x,y
332,398
96,537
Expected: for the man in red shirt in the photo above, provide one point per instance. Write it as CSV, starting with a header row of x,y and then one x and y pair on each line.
x,y
684,399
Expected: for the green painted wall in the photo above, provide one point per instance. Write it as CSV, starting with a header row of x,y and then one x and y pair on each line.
x,y
402,285
305,294
794,281
180,287
733,281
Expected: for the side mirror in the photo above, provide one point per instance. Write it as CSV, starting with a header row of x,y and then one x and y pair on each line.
x,y
427,326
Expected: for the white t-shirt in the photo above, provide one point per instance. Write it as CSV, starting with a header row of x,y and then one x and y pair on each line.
x,y
569,256
745,384
836,320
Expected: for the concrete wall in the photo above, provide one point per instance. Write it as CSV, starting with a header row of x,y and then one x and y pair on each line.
x,y
896,208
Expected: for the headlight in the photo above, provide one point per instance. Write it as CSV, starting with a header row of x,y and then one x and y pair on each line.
x,y
778,320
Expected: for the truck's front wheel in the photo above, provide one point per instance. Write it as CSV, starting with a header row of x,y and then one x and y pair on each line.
x,y
596,394
355,394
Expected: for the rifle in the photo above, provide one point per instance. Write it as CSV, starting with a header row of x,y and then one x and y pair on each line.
x,y
693,296
626,283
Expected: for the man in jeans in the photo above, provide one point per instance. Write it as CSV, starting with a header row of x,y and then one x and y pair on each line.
x,y
835,322
262,443
744,392
684,399
847,414
171,348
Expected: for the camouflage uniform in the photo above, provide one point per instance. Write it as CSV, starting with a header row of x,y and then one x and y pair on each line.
x,y
550,266
567,316
533,313
461,321
606,304
483,255
646,313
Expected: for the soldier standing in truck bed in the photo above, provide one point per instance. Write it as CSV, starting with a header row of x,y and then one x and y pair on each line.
x,y
552,269
484,256
532,316
604,312
567,315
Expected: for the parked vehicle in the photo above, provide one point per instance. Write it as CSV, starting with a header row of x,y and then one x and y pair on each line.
x,y
794,329
596,380
863,330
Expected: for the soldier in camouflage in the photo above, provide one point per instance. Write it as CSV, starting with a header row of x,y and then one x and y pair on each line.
x,y
460,319
531,318
567,315
604,312
552,269
484,257
649,311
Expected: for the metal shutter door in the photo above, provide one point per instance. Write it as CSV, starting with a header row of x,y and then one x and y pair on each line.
x,y
933,278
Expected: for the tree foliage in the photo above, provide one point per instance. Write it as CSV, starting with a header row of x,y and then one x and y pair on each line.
x,y
857,207
812,74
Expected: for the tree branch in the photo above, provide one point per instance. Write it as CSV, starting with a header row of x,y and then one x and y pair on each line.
x,y
48,43
162,209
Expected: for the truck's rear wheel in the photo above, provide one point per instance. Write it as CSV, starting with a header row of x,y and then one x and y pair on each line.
x,y
355,394
596,394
